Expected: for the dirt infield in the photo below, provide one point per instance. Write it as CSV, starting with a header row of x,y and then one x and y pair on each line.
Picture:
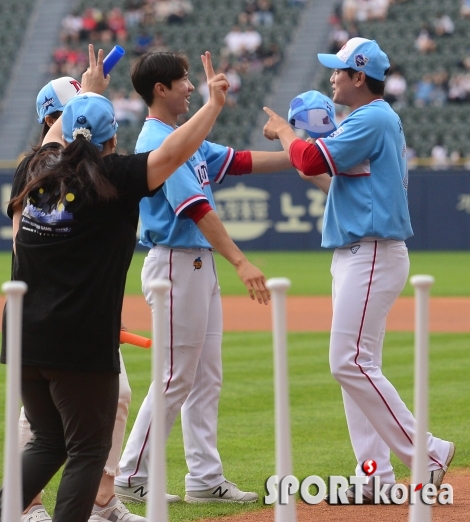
x,y
310,314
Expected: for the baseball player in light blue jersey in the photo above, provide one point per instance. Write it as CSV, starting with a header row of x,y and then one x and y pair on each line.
x,y
362,168
209,164
380,200
181,229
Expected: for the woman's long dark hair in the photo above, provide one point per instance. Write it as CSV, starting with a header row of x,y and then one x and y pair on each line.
x,y
78,165
44,130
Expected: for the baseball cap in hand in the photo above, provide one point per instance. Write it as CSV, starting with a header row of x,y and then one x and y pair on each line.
x,y
53,96
314,112
90,115
361,55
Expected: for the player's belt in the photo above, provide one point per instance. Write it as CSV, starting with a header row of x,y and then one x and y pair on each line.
x,y
180,249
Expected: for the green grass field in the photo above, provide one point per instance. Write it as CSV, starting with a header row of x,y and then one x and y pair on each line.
x,y
319,435
309,272
320,439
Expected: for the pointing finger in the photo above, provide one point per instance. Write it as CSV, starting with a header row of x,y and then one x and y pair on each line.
x,y
269,112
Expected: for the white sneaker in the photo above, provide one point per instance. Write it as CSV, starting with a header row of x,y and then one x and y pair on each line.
x,y
139,494
437,476
225,492
36,513
115,511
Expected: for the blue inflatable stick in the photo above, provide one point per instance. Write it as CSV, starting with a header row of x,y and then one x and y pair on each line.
x,y
112,59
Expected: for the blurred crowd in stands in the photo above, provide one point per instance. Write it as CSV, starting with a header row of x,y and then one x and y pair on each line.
x,y
243,51
436,88
99,27
135,27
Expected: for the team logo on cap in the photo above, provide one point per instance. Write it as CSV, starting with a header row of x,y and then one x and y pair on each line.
x,y
197,263
360,60
76,85
81,120
48,102
325,120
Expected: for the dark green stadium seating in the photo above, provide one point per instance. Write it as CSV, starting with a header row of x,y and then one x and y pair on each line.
x,y
205,30
396,35
14,17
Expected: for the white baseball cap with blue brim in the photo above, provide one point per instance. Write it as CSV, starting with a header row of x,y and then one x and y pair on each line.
x,y
313,112
53,96
90,115
359,54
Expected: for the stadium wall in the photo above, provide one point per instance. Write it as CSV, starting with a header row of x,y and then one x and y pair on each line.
x,y
282,212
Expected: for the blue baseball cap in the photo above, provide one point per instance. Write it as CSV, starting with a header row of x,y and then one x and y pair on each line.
x,y
314,112
53,96
91,115
361,55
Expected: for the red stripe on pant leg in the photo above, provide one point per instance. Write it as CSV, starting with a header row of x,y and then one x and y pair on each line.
x,y
359,341
140,457
358,350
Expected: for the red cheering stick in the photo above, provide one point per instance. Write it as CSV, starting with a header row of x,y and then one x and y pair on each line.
x,y
136,340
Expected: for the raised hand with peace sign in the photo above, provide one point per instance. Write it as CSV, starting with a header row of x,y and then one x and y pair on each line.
x,y
93,79
217,83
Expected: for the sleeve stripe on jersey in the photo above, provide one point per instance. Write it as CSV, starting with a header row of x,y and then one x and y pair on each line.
x,y
223,170
326,155
180,208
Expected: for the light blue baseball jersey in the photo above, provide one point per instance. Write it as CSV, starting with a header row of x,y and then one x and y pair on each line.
x,y
163,221
368,196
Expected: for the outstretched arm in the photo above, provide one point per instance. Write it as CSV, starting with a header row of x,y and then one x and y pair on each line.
x,y
252,277
269,161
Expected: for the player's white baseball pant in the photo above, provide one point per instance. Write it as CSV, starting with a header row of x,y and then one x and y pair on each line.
x,y
366,282
193,367
112,464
